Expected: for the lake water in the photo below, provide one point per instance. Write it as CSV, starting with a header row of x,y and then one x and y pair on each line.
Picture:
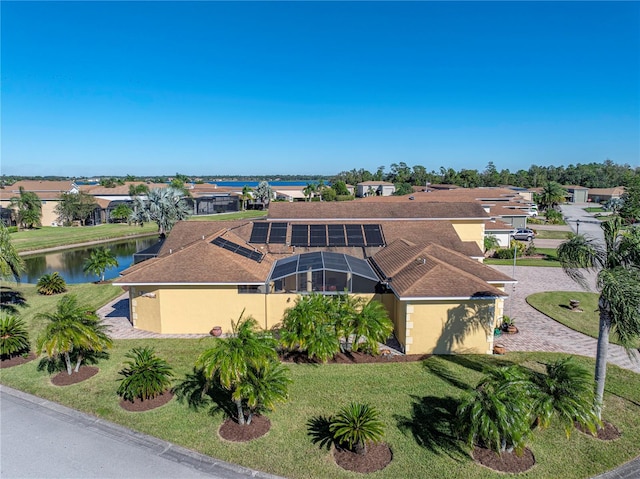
x,y
69,263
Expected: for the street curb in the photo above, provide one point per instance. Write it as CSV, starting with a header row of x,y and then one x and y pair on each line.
x,y
159,447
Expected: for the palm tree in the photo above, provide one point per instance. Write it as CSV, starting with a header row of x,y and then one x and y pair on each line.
x,y
121,212
11,264
356,425
50,284
564,392
497,413
72,329
14,337
99,261
145,376
551,195
231,360
164,206
370,326
265,386
308,191
245,196
28,208
618,265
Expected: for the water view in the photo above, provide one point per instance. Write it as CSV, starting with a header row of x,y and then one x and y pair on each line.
x,y
69,263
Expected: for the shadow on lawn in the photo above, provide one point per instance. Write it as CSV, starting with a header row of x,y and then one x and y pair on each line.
x,y
318,427
432,424
199,391
10,300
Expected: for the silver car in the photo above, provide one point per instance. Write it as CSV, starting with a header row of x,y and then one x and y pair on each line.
x,y
523,234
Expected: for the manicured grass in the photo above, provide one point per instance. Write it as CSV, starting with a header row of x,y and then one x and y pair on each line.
x,y
552,234
594,209
555,304
49,237
525,261
417,402
240,215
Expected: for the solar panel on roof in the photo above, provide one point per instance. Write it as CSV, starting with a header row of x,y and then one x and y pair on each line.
x,y
354,235
336,235
278,233
373,234
299,235
259,233
318,235
237,249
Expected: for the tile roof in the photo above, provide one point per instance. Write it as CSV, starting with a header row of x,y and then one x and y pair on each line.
x,y
361,210
45,190
118,190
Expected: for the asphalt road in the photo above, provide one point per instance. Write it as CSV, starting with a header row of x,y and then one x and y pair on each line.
x,y
41,439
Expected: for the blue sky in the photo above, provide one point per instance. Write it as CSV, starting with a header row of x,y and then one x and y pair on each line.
x,y
272,88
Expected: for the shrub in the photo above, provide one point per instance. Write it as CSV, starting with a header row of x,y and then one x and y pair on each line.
x,y
12,229
345,197
356,425
146,375
554,217
14,338
50,284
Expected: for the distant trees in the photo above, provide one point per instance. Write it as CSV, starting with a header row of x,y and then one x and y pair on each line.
x,y
263,194
75,206
27,208
630,208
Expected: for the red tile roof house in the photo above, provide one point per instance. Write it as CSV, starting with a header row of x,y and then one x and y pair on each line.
x,y
421,260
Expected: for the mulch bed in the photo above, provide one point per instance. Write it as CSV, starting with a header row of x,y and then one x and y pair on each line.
x,y
232,431
608,432
139,405
505,462
16,361
64,379
377,457
352,358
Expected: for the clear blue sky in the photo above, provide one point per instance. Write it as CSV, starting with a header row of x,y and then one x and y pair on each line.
x,y
217,88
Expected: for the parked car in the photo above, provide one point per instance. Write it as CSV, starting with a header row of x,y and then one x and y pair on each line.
x,y
523,234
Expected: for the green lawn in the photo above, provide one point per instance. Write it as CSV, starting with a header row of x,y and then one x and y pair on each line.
x,y
555,304
595,209
240,215
551,234
49,237
416,401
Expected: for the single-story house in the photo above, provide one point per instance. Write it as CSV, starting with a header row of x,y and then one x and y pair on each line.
x,y
375,188
422,261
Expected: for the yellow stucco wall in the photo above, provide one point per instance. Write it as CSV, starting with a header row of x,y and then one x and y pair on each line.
x,y
144,308
447,327
470,230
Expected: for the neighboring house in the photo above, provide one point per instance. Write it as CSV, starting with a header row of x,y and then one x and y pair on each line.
x,y
48,191
577,194
500,230
375,188
602,195
422,261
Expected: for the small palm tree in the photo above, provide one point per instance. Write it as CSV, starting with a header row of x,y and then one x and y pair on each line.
x,y
145,375
50,284
564,392
11,264
371,326
99,261
232,359
497,413
72,328
245,196
121,212
265,386
617,263
28,208
356,425
14,338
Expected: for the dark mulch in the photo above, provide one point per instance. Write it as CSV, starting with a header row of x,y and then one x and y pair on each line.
x,y
377,457
232,431
608,432
64,379
352,358
505,462
16,361
139,405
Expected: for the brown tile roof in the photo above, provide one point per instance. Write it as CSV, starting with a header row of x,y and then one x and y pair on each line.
x,y
497,225
361,210
482,195
418,271
45,190
617,191
185,233
118,190
373,183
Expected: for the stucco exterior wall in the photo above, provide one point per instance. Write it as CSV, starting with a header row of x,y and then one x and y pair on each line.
x,y
48,215
472,230
447,327
144,308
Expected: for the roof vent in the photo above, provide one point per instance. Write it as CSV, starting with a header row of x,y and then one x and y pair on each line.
x,y
412,197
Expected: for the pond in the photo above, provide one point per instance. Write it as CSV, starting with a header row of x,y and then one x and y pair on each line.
x,y
70,262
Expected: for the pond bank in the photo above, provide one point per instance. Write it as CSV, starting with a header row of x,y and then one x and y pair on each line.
x,y
84,244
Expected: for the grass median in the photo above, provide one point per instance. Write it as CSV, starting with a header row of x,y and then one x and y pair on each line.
x,y
416,400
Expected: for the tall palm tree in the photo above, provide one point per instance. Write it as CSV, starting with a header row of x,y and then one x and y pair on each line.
x,y
164,206
231,360
72,328
245,196
618,265
99,261
552,195
11,264
308,191
28,208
